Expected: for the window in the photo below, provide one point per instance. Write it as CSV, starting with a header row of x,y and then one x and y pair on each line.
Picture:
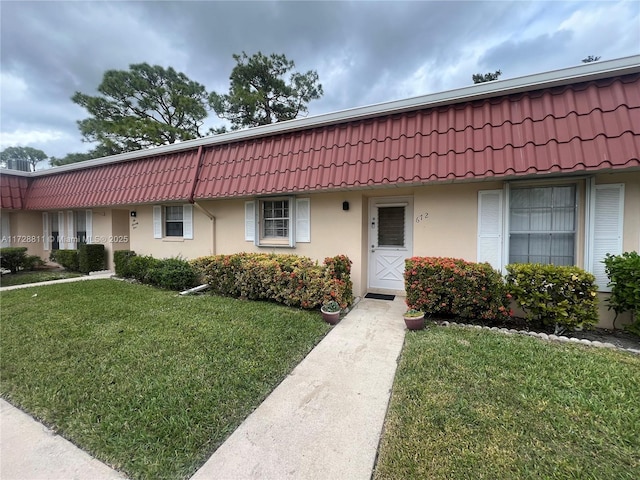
x,y
173,226
66,230
278,221
81,228
174,221
391,226
274,224
542,225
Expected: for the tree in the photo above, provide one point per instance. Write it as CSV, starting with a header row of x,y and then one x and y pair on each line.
x,y
142,107
487,77
590,58
71,158
22,158
259,94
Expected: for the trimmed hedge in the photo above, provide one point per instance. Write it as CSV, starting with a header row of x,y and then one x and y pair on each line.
x,y
564,296
289,279
91,257
68,259
454,287
169,273
624,278
121,261
13,258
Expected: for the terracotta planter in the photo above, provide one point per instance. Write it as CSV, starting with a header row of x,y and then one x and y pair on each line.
x,y
330,317
414,323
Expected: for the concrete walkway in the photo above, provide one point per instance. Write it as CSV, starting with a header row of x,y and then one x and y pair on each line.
x,y
30,451
325,419
322,422
91,276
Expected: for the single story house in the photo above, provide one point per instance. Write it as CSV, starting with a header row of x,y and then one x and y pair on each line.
x,y
542,168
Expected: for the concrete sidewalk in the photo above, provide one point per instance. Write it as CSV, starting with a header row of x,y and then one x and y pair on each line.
x,y
322,422
30,451
91,276
325,419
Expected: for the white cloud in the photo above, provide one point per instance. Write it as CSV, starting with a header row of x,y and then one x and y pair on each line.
x,y
29,137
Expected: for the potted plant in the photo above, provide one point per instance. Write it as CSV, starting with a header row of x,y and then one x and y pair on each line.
x,y
331,312
414,319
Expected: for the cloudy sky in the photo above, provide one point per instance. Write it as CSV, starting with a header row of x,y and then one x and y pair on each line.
x,y
365,52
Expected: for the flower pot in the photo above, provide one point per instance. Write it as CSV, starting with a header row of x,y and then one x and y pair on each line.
x,y
330,317
414,323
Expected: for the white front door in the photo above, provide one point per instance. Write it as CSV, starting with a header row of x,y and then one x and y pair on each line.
x,y
390,241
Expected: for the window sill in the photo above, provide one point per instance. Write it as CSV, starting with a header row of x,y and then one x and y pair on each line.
x,y
173,239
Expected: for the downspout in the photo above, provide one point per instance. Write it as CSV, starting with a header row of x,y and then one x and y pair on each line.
x,y
195,180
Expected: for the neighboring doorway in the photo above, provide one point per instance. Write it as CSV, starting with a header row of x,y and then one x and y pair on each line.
x,y
390,241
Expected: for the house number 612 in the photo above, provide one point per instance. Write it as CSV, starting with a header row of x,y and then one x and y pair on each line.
x,y
421,217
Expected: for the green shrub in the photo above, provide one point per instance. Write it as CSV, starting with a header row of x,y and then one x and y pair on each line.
x,y
91,257
68,259
13,258
563,296
121,260
454,287
172,274
624,278
31,262
289,279
140,267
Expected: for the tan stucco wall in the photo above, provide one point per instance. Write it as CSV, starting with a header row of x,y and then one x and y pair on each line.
x,y
333,230
26,227
143,243
446,219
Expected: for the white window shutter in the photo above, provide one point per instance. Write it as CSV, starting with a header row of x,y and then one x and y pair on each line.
x,y
490,240
187,222
89,225
62,234
608,214
250,221
303,220
5,231
46,233
71,232
157,221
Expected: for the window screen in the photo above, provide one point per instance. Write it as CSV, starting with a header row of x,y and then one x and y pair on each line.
x,y
542,222
391,226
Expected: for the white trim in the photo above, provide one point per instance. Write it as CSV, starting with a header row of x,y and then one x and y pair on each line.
x,y
89,225
61,232
303,220
5,230
490,243
607,217
250,221
157,221
46,232
187,221
71,231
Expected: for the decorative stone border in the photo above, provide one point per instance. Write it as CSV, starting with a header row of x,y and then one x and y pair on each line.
x,y
543,336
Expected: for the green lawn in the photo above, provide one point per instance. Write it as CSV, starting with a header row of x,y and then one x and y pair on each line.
x,y
471,404
22,278
147,381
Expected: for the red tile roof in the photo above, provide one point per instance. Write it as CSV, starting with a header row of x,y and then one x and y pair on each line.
x,y
580,127
13,190
155,179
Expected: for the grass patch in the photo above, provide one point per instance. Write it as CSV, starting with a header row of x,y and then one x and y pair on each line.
x,y
23,278
147,381
482,405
